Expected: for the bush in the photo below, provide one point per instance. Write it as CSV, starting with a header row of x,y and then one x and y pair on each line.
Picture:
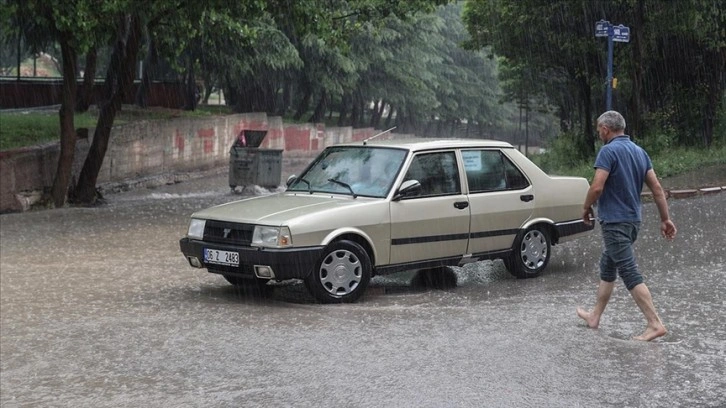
x,y
562,159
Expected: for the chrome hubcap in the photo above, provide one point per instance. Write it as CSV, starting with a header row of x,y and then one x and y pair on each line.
x,y
340,272
534,250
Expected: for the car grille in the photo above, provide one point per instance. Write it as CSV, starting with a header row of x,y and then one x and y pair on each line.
x,y
228,232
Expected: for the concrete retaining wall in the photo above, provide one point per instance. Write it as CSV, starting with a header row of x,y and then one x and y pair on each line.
x,y
148,148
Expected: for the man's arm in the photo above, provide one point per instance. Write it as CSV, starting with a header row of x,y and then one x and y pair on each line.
x,y
598,184
667,227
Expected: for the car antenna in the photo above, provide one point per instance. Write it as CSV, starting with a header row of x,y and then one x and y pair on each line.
x,y
376,135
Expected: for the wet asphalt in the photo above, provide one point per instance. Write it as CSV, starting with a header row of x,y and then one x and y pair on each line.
x,y
98,308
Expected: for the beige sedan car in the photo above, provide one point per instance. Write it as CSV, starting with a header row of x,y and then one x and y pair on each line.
x,y
377,207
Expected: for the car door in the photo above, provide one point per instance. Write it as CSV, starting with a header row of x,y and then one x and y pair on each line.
x,y
500,197
433,224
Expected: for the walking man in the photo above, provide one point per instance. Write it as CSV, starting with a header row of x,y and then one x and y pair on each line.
x,y
621,168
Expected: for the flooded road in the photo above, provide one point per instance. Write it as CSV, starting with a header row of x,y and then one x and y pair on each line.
x,y
98,308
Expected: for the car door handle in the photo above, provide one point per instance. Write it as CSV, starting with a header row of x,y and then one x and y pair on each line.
x,y
526,198
461,204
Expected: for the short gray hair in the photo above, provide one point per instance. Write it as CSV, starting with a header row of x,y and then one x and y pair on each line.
x,y
613,120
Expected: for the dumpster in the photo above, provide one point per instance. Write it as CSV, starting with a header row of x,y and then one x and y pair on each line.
x,y
250,165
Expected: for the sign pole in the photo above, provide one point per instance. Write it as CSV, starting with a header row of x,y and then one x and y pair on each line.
x,y
619,33
609,100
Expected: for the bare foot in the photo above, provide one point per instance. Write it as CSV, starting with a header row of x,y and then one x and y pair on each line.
x,y
592,321
651,333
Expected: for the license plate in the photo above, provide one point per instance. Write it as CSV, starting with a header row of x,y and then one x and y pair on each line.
x,y
218,257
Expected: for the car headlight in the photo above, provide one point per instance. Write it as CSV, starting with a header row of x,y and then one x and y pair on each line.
x,y
196,229
275,237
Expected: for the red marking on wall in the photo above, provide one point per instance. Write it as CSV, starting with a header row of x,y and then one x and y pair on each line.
x,y
274,138
361,134
297,138
207,136
178,141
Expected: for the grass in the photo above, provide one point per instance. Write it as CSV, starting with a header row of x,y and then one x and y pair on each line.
x,y
667,163
21,129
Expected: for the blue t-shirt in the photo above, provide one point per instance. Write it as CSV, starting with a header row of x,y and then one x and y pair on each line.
x,y
627,164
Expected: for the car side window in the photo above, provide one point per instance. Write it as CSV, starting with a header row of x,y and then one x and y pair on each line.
x,y
514,176
437,173
490,170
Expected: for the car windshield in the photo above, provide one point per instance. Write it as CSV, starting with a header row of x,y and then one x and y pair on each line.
x,y
355,170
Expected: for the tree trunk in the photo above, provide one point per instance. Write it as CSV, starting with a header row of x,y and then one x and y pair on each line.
x,y
286,99
355,112
588,146
714,95
85,94
635,107
142,94
526,129
319,112
378,114
343,111
389,118
59,190
302,106
119,80
191,93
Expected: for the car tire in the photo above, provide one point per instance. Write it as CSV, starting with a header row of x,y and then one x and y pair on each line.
x,y
341,275
530,254
253,286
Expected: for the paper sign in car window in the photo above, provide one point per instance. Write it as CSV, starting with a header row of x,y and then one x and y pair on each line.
x,y
472,160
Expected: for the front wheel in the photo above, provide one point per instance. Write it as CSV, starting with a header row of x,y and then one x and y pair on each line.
x,y
341,275
530,254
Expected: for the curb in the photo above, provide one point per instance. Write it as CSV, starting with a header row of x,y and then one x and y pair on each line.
x,y
685,193
28,199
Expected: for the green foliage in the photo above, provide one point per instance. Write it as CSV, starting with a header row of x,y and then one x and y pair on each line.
x,y
660,135
682,159
563,158
674,62
34,128
21,130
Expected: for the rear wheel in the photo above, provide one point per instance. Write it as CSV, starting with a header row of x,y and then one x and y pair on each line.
x,y
530,254
341,275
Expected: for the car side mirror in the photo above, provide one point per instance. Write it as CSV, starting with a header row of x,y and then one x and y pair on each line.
x,y
290,180
408,188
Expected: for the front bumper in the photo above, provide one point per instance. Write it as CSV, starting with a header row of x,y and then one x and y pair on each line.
x,y
288,263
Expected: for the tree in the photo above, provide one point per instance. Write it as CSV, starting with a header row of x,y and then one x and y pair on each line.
x,y
657,90
553,41
119,79
131,17
45,21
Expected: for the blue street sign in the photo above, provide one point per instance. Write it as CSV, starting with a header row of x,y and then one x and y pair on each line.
x,y
602,28
621,33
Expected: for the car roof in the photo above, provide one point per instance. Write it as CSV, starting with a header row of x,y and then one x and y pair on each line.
x,y
418,144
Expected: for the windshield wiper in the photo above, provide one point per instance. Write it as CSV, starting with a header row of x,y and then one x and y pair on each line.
x,y
308,183
346,185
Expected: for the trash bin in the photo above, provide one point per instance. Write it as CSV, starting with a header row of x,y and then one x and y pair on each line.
x,y
250,165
